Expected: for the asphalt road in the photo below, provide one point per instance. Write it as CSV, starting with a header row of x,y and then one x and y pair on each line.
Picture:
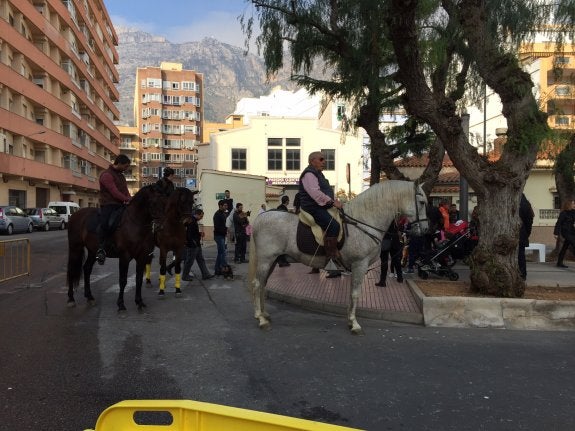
x,y
60,367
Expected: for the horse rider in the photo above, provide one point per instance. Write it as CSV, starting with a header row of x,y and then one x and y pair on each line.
x,y
316,197
113,194
165,185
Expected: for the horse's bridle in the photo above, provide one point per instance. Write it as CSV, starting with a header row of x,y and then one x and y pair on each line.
x,y
418,220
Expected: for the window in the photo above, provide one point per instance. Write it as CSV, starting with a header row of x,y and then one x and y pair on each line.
x,y
340,112
293,142
329,159
275,142
563,91
562,121
561,60
293,160
275,160
239,159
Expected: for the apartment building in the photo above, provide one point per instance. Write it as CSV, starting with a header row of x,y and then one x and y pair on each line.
x,y
168,112
131,147
57,92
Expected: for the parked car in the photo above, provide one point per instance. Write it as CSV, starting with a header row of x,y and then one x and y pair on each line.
x,y
65,209
14,219
46,218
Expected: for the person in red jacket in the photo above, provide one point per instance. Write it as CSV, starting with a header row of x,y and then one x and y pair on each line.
x,y
444,210
113,194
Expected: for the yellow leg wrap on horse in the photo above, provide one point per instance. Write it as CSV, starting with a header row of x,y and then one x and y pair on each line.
x,y
162,282
148,271
177,282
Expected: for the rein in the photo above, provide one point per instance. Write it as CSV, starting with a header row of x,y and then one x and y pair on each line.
x,y
349,220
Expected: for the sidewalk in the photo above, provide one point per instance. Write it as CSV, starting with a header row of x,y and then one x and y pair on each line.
x,y
403,302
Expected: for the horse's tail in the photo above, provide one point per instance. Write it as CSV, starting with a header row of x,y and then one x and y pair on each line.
x,y
253,264
75,258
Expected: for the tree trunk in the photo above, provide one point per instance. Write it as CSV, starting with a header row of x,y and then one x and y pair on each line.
x,y
494,262
498,185
564,172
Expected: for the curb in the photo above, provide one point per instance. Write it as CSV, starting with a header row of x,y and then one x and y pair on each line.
x,y
503,313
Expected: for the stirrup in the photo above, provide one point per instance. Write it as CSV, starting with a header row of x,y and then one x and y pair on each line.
x,y
334,265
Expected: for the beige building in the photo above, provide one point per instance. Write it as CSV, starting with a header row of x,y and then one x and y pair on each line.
x,y
57,93
168,112
275,145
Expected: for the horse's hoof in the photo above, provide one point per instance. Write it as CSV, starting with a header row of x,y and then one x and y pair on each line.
x,y
148,282
91,302
71,304
141,306
122,309
161,294
265,326
357,331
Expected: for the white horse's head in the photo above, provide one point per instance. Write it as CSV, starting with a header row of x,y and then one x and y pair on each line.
x,y
419,222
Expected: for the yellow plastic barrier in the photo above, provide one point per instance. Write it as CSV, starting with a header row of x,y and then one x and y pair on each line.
x,y
185,415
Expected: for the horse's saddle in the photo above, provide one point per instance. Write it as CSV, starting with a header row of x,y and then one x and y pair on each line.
x,y
310,234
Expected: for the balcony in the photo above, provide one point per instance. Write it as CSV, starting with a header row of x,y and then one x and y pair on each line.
x,y
128,147
560,121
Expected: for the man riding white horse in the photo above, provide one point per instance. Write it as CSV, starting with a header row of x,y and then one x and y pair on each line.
x,y
316,197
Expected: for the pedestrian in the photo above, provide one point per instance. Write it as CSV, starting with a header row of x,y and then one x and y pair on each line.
x,y
165,185
416,246
229,201
240,222
316,197
453,214
230,209
113,194
282,259
391,247
220,232
193,249
444,210
262,209
296,203
565,228
526,216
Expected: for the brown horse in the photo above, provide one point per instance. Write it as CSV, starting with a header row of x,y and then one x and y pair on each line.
x,y
170,235
133,239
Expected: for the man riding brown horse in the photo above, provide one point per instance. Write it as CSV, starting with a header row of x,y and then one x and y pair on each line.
x,y
113,195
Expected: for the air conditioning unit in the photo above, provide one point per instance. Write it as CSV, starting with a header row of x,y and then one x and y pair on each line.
x,y
157,145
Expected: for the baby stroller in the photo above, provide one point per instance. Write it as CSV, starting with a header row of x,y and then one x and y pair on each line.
x,y
444,253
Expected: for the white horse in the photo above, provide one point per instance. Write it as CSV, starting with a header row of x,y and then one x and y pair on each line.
x,y
368,216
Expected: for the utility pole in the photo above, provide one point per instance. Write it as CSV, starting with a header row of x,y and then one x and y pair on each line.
x,y
463,186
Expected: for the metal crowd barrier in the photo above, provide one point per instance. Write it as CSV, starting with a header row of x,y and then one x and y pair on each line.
x,y
14,259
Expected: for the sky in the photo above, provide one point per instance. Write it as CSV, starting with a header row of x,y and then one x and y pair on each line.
x,y
182,20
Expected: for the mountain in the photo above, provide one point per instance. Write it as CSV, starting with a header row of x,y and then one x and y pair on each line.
x,y
229,74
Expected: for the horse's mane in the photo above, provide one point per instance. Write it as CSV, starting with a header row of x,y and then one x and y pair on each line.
x,y
142,195
389,193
